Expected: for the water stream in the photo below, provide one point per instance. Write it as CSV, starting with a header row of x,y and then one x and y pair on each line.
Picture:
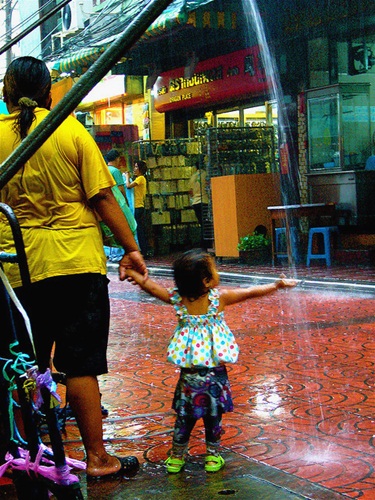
x,y
304,357
288,182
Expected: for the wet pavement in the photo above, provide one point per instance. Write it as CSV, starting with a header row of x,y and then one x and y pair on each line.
x,y
303,424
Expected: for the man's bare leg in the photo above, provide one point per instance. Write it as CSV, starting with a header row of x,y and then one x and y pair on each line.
x,y
84,397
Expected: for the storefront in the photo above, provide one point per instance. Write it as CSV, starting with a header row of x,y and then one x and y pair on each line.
x,y
339,146
218,115
326,60
230,91
116,100
315,48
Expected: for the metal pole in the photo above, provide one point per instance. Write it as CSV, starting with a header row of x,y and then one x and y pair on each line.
x,y
8,28
33,26
68,104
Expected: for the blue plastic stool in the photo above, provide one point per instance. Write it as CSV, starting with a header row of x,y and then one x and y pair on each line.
x,y
280,232
326,233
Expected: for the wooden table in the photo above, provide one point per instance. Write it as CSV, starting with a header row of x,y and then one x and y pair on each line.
x,y
288,212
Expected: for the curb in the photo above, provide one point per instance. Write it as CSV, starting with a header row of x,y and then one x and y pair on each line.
x,y
329,285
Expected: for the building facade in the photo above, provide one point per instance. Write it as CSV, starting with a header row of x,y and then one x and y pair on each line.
x,y
305,69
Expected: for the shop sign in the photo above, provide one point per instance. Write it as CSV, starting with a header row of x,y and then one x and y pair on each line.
x,y
216,80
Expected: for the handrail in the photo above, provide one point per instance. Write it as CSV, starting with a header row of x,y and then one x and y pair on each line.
x,y
20,255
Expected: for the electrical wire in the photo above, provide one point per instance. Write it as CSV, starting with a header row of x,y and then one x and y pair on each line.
x,y
99,24
27,21
103,26
106,21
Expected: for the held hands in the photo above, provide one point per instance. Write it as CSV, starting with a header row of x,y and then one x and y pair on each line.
x,y
132,260
283,282
134,277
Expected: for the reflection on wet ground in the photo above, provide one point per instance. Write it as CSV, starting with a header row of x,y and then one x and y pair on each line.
x,y
303,424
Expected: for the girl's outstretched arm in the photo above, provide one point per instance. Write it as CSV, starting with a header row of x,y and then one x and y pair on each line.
x,y
229,297
148,285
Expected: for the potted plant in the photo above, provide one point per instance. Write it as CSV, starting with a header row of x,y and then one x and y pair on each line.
x,y
254,249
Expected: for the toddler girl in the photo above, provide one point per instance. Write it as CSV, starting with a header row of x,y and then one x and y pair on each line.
x,y
201,345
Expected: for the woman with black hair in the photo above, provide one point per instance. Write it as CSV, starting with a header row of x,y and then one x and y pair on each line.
x,y
56,196
139,184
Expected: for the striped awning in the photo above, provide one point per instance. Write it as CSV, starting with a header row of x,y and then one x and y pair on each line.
x,y
179,13
173,16
79,60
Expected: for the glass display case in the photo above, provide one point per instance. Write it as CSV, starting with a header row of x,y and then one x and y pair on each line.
x,y
338,122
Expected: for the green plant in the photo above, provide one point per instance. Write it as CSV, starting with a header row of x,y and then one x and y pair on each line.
x,y
253,241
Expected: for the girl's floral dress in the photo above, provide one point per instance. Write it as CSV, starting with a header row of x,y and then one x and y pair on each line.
x,y
201,344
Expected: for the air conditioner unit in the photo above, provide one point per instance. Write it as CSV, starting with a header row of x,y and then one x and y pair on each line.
x,y
75,15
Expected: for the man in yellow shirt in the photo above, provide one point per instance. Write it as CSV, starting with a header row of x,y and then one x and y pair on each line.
x,y
56,196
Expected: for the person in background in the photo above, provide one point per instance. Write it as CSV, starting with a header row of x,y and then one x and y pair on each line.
x,y
113,161
139,184
199,197
201,345
112,248
57,196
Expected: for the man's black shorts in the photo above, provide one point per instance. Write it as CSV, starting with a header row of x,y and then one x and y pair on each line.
x,y
72,312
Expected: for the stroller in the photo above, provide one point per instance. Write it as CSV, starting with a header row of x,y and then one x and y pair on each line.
x,y
36,470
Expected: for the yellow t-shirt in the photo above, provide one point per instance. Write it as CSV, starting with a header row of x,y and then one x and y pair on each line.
x,y
139,191
49,196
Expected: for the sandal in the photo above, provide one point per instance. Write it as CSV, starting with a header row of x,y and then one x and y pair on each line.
x,y
129,468
174,465
218,463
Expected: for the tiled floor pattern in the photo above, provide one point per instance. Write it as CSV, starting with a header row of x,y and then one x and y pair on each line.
x,y
303,391
303,387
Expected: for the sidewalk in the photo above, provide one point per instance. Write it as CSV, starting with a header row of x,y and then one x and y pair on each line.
x,y
360,278
303,425
303,391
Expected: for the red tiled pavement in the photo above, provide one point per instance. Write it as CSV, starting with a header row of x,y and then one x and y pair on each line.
x,y
303,388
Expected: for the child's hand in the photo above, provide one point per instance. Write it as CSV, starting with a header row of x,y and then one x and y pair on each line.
x,y
283,282
131,275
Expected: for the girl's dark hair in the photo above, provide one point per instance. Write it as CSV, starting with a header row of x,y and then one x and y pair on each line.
x,y
142,166
27,84
190,269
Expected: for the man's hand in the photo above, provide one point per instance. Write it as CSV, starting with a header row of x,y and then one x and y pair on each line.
x,y
132,260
